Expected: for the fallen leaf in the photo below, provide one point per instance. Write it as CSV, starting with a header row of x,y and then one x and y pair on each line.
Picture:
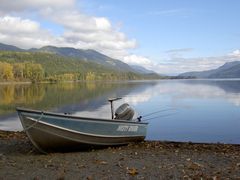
x,y
132,171
121,159
81,166
195,166
101,162
89,178
215,178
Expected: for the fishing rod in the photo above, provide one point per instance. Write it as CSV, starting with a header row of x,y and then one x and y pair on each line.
x,y
166,115
159,111
150,114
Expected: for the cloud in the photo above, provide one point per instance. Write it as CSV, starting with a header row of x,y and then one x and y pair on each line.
x,y
78,30
138,60
178,53
175,62
179,50
15,25
27,5
170,12
87,32
177,65
235,53
23,32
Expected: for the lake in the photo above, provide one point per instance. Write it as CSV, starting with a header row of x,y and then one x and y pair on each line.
x,y
177,110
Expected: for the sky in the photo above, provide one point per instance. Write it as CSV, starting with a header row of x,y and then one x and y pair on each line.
x,y
169,37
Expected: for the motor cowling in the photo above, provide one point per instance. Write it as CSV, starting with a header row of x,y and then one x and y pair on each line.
x,y
124,112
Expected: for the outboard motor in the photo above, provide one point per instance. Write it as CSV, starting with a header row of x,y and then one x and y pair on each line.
x,y
124,112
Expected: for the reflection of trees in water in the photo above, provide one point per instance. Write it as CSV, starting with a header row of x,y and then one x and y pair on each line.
x,y
59,94
93,99
49,96
21,94
6,95
91,86
14,95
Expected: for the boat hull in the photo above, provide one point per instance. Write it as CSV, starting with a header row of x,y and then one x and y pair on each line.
x,y
58,132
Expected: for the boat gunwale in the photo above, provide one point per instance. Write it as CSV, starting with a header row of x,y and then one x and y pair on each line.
x,y
76,117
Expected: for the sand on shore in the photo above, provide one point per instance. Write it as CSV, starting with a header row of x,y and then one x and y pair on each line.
x,y
143,160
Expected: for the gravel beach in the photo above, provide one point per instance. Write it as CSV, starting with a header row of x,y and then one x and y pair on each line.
x,y
143,160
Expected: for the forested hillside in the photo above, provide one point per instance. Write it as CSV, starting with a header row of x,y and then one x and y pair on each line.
x,y
40,66
88,55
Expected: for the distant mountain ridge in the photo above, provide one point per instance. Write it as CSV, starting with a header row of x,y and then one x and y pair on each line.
x,y
5,47
85,55
141,70
228,70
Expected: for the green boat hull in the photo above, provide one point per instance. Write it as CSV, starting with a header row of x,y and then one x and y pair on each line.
x,y
59,132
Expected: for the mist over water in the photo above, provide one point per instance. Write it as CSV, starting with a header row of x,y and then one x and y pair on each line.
x,y
191,110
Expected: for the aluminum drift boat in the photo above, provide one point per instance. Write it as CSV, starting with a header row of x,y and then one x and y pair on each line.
x,y
60,132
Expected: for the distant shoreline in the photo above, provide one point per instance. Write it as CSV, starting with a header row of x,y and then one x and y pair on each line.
x,y
49,82
85,81
16,82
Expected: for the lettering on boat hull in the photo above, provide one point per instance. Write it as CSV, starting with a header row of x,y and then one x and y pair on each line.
x,y
127,128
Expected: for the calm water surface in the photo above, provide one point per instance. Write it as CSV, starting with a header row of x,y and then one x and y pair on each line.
x,y
191,110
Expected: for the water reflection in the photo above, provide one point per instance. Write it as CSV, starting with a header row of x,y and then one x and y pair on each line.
x,y
207,110
64,97
207,89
